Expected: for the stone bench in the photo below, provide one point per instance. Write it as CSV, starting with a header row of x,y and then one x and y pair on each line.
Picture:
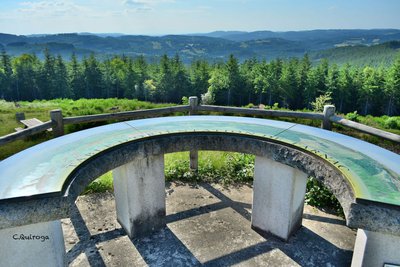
x,y
39,186
29,123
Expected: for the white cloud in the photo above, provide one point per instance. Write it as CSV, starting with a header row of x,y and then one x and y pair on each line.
x,y
136,6
46,10
57,8
140,5
128,16
134,3
194,10
148,2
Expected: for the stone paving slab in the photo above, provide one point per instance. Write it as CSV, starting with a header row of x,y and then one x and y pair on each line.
x,y
207,224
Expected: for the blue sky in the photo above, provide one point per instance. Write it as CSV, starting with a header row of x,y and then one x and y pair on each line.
x,y
191,16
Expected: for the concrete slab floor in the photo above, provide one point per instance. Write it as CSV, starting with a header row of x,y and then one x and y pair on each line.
x,y
207,224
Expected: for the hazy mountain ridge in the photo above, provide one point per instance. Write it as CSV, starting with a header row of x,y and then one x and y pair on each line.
x,y
216,45
312,35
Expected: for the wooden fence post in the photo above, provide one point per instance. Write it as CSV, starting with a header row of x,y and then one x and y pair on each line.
x,y
329,111
57,122
19,116
193,103
194,154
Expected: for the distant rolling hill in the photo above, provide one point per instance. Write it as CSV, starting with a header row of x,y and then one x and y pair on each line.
x,y
320,37
188,47
376,55
358,46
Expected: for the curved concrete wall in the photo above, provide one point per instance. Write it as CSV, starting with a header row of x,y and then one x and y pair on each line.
x,y
358,215
301,160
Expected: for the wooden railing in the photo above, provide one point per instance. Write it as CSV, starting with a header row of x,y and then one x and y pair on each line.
x,y
328,117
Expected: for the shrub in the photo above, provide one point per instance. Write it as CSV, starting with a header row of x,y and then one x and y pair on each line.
x,y
321,101
207,98
392,123
275,106
318,195
185,100
250,105
353,116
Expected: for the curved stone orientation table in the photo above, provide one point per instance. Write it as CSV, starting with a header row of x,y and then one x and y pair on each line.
x,y
373,172
48,177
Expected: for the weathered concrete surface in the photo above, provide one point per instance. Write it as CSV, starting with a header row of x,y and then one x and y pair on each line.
x,y
278,198
139,195
206,225
375,249
41,244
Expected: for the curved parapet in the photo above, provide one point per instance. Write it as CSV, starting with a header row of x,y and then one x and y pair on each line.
x,y
362,176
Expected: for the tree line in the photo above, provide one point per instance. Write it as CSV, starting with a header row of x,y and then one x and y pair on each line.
x,y
293,83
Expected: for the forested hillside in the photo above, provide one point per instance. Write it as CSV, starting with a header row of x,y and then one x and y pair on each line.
x,y
376,55
293,84
339,46
320,39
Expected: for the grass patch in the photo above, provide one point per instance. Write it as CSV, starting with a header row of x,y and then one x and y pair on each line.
x,y
214,166
102,184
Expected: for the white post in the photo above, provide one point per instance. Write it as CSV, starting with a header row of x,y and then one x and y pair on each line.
x,y
278,198
139,189
375,249
40,244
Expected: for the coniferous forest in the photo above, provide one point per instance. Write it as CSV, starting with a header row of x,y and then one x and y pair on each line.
x,y
293,83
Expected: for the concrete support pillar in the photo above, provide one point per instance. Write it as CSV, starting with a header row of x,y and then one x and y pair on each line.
x,y
278,198
375,249
139,189
40,244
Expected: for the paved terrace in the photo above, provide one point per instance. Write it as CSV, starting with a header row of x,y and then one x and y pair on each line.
x,y
206,225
